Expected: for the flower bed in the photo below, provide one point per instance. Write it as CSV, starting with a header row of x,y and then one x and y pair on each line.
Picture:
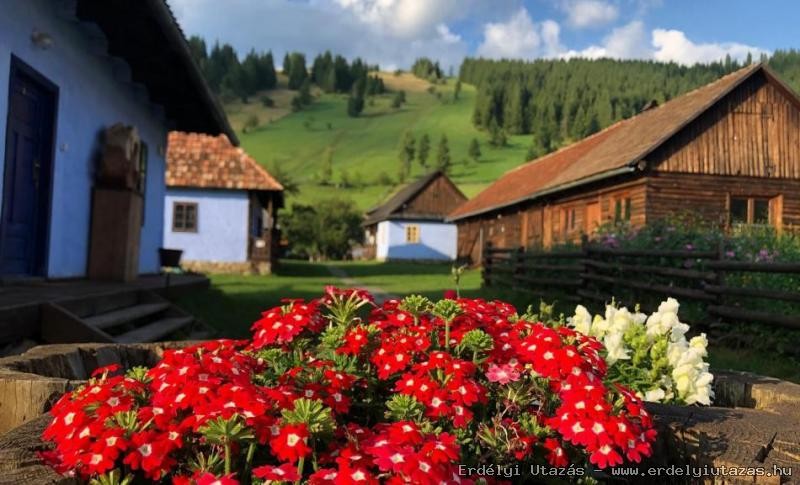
x,y
338,390
687,435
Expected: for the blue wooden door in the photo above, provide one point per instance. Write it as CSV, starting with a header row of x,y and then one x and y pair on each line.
x,y
28,159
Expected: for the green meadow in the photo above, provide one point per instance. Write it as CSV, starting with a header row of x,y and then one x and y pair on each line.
x,y
364,147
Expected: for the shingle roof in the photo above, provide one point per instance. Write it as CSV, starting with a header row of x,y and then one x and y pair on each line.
x,y
616,149
400,198
197,160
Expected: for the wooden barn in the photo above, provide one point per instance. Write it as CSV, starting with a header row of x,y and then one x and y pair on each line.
x,y
411,225
730,151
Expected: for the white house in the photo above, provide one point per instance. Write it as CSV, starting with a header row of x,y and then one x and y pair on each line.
x,y
221,205
410,225
68,72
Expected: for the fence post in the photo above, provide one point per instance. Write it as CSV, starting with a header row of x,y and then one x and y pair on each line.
x,y
719,280
584,287
487,264
518,261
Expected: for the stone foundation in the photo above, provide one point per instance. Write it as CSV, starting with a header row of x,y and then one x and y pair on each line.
x,y
759,428
220,267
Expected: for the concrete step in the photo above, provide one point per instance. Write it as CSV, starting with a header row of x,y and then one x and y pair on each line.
x,y
154,331
125,315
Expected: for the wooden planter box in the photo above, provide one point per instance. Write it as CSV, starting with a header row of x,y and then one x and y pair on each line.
x,y
758,427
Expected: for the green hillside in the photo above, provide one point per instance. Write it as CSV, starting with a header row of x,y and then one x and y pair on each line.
x,y
364,147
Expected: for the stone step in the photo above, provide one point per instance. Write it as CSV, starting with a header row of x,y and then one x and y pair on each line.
x,y
154,331
125,315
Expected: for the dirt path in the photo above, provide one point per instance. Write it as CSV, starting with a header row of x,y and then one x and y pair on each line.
x,y
380,294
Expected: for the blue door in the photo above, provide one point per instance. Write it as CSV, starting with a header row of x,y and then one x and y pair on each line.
x,y
27,175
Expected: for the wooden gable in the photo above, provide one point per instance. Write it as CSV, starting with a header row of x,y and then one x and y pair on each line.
x,y
754,131
437,199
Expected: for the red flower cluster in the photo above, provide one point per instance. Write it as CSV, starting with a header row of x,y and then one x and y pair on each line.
x,y
402,395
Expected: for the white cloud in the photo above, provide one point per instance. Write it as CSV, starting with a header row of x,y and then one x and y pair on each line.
x,y
519,37
391,33
673,45
446,35
405,18
631,42
589,13
626,42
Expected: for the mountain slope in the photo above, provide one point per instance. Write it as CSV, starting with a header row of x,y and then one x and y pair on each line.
x,y
366,146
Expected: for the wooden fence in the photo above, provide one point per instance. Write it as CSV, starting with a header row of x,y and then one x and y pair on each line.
x,y
720,289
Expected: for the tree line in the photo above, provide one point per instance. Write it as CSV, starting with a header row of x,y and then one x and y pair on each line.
x,y
558,101
229,77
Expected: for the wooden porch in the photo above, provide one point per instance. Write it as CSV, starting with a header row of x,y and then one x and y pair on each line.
x,y
94,311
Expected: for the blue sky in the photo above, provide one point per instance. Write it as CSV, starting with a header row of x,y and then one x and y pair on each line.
x,y
393,33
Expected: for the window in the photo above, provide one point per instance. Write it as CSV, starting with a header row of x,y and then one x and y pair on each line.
x,y
184,217
622,209
412,233
568,222
750,210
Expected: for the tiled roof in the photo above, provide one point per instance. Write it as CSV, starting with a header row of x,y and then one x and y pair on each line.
x,y
197,160
617,148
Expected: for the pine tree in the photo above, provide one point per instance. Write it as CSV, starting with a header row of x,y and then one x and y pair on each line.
x,y
457,90
474,151
407,150
327,167
355,103
424,150
297,70
443,160
305,93
287,64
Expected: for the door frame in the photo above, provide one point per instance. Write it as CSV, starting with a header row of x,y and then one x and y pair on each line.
x,y
17,67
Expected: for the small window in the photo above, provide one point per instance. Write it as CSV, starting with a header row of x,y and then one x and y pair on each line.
x,y
412,234
622,209
749,210
760,211
184,217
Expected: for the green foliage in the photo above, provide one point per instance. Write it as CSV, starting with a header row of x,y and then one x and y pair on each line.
x,y
266,101
424,150
297,72
401,407
114,477
569,99
415,304
251,123
407,150
443,159
447,310
474,150
398,99
315,415
224,72
323,231
477,343
223,431
427,69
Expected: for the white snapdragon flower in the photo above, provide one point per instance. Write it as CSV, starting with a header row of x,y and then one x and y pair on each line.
x,y
700,343
615,348
654,395
620,320
581,321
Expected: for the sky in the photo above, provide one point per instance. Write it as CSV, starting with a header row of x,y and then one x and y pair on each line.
x,y
392,33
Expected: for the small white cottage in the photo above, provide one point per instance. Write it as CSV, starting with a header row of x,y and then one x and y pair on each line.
x,y
410,225
221,205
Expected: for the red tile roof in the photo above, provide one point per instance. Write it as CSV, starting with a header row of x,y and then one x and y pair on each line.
x,y
614,149
197,160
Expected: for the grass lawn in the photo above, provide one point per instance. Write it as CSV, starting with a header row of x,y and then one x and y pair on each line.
x,y
365,146
234,302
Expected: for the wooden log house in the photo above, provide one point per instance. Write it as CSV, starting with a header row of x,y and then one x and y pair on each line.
x,y
728,151
410,225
